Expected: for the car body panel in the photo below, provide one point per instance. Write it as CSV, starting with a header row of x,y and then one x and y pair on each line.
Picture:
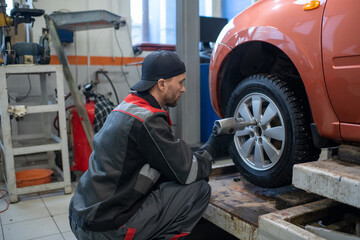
x,y
341,59
298,37
350,132
220,51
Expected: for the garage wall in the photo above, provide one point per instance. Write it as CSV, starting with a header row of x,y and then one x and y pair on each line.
x,y
101,41
96,49
91,51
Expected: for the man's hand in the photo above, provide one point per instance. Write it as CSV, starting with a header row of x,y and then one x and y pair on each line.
x,y
218,144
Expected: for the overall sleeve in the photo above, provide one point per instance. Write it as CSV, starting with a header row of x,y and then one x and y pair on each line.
x,y
170,156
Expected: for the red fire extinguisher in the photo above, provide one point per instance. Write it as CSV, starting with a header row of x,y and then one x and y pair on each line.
x,y
81,145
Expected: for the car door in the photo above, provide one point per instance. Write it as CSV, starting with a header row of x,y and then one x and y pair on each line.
x,y
341,60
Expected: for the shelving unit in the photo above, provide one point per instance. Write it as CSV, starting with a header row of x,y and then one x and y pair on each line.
x,y
12,144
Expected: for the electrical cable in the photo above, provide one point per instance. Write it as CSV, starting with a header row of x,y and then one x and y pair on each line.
x,y
128,32
7,203
57,118
6,193
122,59
112,85
28,93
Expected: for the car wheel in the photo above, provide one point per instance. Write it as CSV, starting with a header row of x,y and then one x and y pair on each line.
x,y
265,152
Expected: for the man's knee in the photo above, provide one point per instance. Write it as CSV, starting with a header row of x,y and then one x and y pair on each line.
x,y
202,189
205,187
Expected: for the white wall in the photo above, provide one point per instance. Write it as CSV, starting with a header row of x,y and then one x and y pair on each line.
x,y
102,42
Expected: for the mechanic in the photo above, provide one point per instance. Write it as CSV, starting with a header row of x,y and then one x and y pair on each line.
x,y
142,182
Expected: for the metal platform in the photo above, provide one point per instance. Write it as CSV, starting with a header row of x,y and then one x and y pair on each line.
x,y
286,224
330,178
86,20
236,204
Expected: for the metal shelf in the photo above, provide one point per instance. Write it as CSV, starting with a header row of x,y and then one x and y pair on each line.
x,y
86,20
16,145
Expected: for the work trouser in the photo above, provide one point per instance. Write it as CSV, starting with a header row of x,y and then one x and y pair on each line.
x,y
169,212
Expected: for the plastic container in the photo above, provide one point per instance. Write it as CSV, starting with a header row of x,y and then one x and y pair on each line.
x,y
33,177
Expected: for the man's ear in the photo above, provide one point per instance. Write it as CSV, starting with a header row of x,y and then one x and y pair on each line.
x,y
161,84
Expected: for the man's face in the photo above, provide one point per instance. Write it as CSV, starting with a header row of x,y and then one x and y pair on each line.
x,y
174,87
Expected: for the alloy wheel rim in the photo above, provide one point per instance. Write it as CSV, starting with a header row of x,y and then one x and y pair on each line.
x,y
262,144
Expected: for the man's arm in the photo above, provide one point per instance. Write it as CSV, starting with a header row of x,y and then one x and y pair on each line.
x,y
170,156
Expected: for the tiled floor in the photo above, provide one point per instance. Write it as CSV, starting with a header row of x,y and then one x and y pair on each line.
x,y
36,216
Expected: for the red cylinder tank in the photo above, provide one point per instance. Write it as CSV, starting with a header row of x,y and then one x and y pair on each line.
x,y
81,145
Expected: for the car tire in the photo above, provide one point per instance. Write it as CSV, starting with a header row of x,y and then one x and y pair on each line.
x,y
265,152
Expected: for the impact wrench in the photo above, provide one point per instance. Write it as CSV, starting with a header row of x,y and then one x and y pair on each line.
x,y
230,125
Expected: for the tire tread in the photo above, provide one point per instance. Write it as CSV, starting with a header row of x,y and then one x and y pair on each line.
x,y
303,150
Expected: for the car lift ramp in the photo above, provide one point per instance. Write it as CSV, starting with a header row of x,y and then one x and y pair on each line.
x,y
249,212
236,205
334,179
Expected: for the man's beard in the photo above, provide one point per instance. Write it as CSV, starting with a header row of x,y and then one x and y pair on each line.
x,y
173,102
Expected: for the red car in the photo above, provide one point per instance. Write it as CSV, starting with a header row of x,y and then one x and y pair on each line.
x,y
293,66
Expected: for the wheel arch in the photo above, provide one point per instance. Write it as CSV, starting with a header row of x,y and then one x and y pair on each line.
x,y
261,48
257,57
